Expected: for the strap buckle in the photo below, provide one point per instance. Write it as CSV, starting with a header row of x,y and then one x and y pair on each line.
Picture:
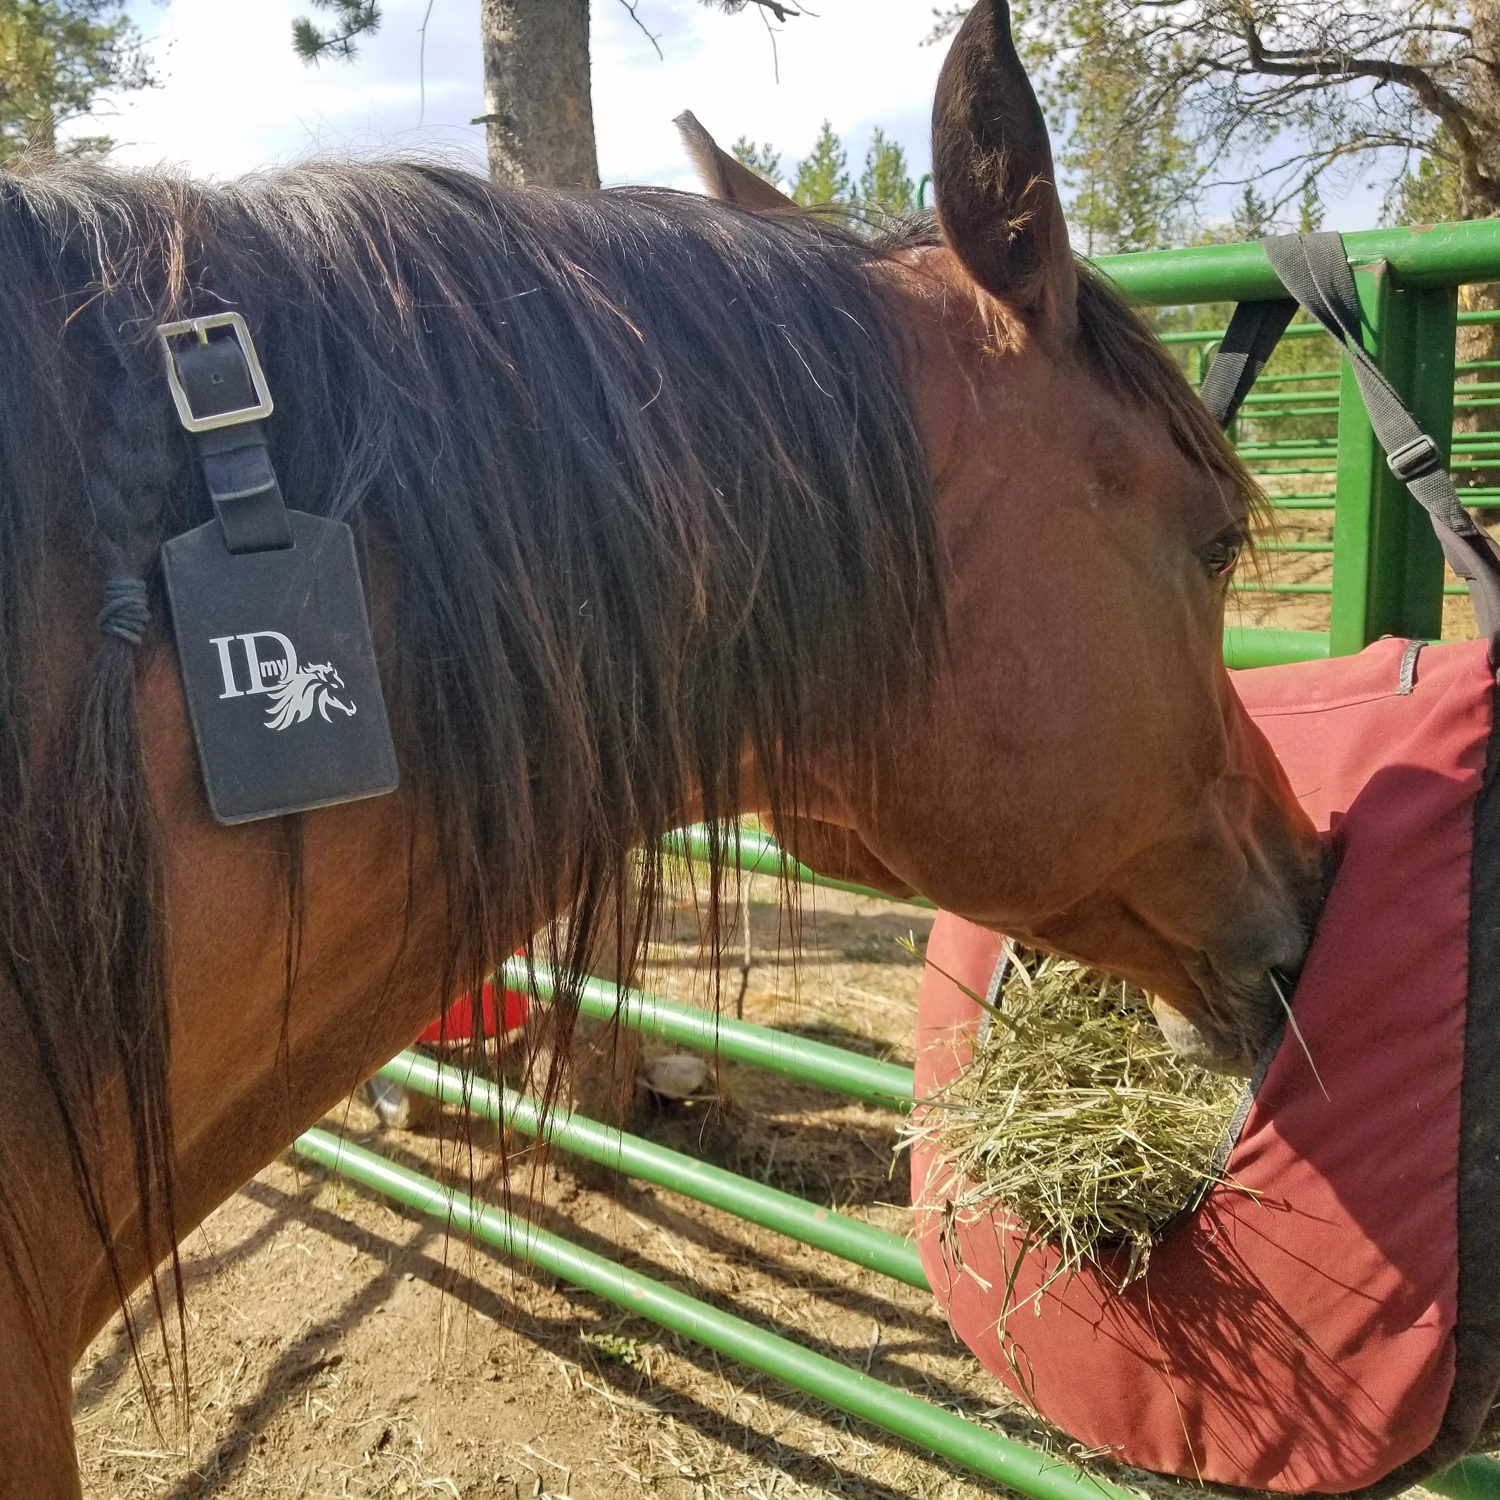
x,y
1416,459
199,328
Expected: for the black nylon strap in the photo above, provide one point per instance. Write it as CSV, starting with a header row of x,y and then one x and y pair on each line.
x,y
1252,335
236,460
1314,268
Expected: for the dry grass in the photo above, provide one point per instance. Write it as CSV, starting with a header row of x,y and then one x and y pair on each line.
x,y
1076,1117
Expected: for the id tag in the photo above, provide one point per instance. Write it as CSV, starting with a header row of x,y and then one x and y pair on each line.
x,y
280,671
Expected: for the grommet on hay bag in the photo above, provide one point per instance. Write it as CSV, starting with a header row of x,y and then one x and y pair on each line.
x,y
1329,1319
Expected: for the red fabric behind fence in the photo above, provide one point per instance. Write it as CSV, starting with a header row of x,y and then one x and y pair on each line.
x,y
1300,1339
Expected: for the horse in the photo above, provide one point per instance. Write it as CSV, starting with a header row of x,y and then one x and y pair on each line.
x,y
667,509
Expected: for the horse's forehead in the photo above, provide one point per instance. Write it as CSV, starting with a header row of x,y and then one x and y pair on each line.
x,y
979,382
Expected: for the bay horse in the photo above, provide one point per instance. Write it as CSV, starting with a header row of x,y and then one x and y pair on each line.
x,y
667,510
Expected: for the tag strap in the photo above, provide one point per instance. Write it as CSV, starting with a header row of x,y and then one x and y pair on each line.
x,y
221,398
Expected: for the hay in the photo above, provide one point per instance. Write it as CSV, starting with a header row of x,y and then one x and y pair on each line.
x,y
1076,1118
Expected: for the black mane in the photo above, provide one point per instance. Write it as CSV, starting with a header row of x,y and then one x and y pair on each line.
x,y
637,475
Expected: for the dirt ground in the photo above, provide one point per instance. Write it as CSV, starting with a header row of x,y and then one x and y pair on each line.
x,y
339,1347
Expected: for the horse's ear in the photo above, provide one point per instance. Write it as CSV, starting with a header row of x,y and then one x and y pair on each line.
x,y
993,177
723,177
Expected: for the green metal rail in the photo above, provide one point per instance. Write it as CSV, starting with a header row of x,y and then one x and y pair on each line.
x,y
755,854
909,1417
1428,260
863,1244
736,1041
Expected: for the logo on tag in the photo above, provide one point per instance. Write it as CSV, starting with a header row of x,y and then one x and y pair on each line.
x,y
295,691
243,678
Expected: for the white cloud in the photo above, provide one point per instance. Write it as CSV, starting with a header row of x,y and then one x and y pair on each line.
x,y
235,97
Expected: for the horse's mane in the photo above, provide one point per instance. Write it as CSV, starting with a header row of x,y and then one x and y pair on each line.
x,y
644,486
638,474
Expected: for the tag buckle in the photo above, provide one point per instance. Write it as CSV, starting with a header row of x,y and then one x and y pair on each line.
x,y
199,328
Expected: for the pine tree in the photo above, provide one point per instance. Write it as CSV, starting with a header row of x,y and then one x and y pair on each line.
x,y
1253,216
886,185
1430,195
823,175
56,58
764,160
1128,174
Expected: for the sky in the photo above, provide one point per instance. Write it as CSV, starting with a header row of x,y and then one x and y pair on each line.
x,y
235,97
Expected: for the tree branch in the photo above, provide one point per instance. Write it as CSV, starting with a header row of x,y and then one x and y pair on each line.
x,y
1435,99
650,36
358,18
781,9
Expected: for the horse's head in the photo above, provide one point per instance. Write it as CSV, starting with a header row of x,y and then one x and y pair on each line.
x,y
328,684
1082,775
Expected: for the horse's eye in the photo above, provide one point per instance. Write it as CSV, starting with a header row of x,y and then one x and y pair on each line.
x,y
1221,554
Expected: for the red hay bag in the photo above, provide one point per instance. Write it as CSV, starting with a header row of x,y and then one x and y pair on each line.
x,y
1336,1328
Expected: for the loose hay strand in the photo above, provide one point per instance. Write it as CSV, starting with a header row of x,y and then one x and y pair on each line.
x,y
1076,1118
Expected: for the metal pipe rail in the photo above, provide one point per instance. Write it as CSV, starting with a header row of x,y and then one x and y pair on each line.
x,y
755,854
809,1223
909,1417
1429,259
738,1041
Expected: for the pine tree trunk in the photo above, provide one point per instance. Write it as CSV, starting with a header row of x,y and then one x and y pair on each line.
x,y
1479,198
1480,191
538,113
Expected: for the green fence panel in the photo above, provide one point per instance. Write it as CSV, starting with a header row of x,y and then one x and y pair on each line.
x,y
1388,567
1387,573
930,1427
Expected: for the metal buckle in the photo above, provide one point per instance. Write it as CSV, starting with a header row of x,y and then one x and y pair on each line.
x,y
199,327
1416,459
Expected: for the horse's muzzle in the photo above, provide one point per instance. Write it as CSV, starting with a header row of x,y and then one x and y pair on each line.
x,y
1242,1007
1219,1048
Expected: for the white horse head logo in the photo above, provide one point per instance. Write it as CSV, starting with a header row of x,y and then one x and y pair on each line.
x,y
294,698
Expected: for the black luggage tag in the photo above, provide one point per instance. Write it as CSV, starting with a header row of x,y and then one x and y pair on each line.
x,y
272,634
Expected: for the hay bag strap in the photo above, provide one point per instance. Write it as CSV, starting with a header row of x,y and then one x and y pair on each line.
x,y
1314,268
